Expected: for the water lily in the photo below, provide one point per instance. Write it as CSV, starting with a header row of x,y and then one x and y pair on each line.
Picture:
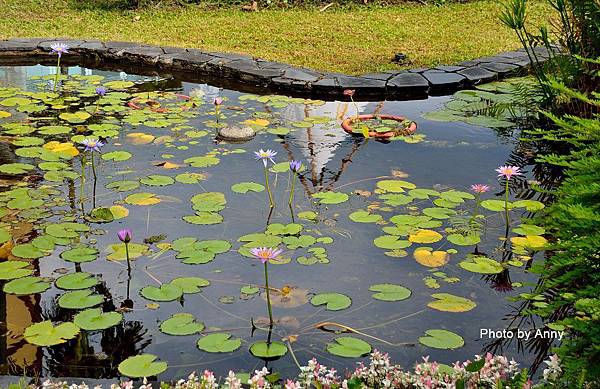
x,y
100,91
125,236
59,49
265,156
92,144
480,188
264,254
295,167
507,172
218,101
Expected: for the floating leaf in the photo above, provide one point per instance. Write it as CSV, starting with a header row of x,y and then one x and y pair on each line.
x,y
14,269
142,199
395,186
27,250
425,236
190,178
80,254
144,365
46,334
534,242
190,284
423,194
204,218
116,156
396,199
391,242
75,117
66,230
349,347
334,301
79,280
80,299
119,84
331,197
442,339
249,290
281,229
529,229
439,213
203,161
464,240
530,205
94,319
450,303
181,324
208,202
166,292
118,252
26,285
16,168
244,187
270,350
365,217
390,292
482,265
495,205
428,258
157,180
219,343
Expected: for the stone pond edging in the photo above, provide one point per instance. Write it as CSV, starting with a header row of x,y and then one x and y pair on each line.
x,y
246,73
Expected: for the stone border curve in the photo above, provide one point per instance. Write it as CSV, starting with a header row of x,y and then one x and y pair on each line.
x,y
243,72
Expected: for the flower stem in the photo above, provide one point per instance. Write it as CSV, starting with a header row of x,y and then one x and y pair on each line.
x,y
217,113
57,72
271,202
127,255
355,106
93,167
268,294
82,188
292,189
506,205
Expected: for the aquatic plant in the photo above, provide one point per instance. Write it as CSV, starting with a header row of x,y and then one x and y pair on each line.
x,y
218,101
507,172
125,236
59,49
266,254
295,167
265,156
101,92
92,146
350,93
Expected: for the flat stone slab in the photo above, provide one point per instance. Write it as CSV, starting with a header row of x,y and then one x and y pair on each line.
x,y
236,134
260,76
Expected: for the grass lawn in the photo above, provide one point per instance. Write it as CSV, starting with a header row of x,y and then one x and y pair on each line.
x,y
352,40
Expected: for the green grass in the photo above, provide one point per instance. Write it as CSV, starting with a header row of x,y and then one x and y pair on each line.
x,y
352,40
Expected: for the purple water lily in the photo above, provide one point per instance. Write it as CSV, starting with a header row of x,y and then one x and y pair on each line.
x,y
265,155
295,166
100,91
59,49
125,235
92,144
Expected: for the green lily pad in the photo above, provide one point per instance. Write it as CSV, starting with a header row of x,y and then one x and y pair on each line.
x,y
333,301
423,194
10,270
219,343
27,250
244,187
144,365
80,254
495,205
249,290
463,240
79,280
450,303
46,334
117,156
396,199
24,202
266,350
365,217
442,339
529,229
202,161
208,202
66,230
190,284
16,168
395,186
331,197
303,241
142,198
482,265
157,180
80,299
204,218
26,285
530,205
349,347
439,213
181,324
283,229
190,178
166,292
390,292
391,242
118,252
94,319
75,117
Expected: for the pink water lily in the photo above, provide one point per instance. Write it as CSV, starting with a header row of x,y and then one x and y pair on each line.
x,y
265,254
218,101
125,235
508,171
480,188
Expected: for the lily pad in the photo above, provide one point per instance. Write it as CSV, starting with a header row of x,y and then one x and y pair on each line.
x,y
495,205
80,299
46,334
181,324
80,254
425,236
143,198
439,212
429,258
219,343
365,217
331,197
79,280
16,168
190,284
395,186
10,270
26,285
270,350
157,180
390,292
117,156
166,292
118,252
349,347
464,240
144,365
202,161
333,301
482,265
442,339
244,187
529,229
94,319
204,218
391,242
450,303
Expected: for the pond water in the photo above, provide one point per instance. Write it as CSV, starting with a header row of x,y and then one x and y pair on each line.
x,y
157,158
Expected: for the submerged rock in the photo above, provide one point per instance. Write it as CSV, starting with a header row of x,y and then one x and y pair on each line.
x,y
236,134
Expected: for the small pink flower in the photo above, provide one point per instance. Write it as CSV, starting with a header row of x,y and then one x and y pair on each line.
x,y
508,171
480,188
349,92
125,235
218,101
265,253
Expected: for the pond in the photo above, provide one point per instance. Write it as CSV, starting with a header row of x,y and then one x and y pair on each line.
x,y
383,242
